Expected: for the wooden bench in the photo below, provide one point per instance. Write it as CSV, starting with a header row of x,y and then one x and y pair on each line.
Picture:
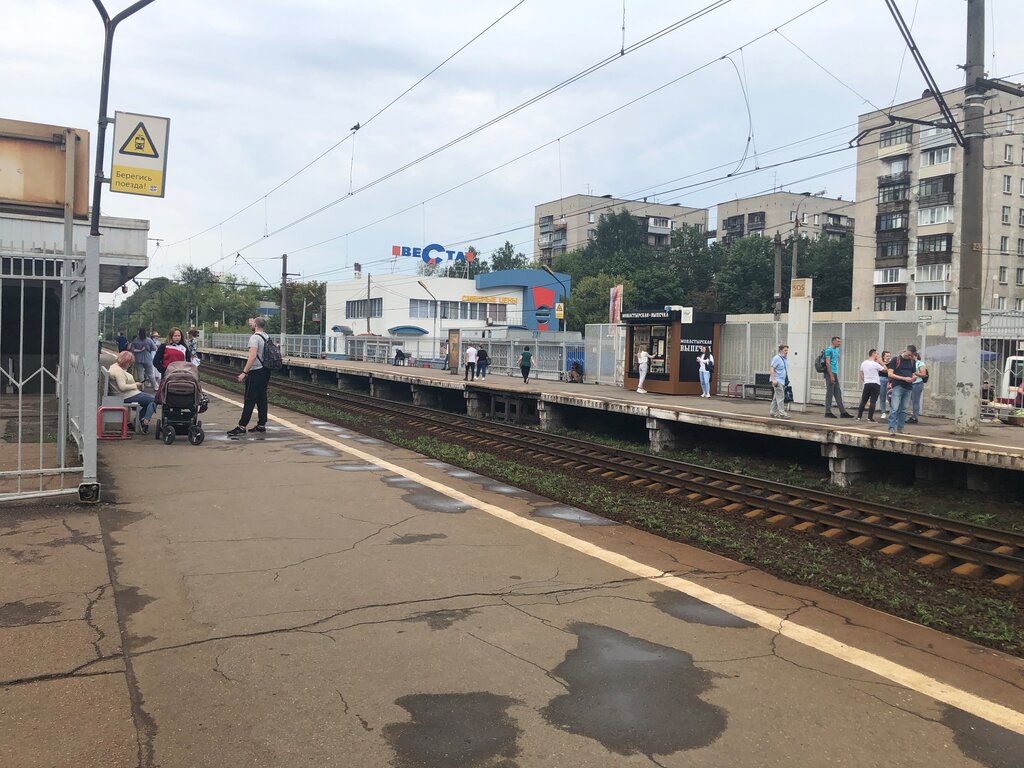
x,y
762,387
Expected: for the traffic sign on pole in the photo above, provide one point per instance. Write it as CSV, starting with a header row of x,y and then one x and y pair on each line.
x,y
139,165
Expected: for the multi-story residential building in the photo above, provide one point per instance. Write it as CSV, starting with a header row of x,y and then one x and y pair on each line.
x,y
909,187
570,223
773,212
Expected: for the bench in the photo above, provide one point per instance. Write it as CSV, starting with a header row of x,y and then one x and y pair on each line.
x,y
762,387
113,401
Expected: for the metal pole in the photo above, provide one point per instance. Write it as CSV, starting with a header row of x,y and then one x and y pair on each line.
x,y
796,243
284,298
967,404
778,276
109,25
368,278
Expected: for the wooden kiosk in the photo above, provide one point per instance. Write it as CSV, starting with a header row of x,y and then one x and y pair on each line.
x,y
673,338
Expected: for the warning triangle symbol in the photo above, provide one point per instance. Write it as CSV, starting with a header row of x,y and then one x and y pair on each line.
x,y
139,143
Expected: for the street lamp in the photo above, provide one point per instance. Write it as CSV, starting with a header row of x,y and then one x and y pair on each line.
x,y
796,228
437,311
561,320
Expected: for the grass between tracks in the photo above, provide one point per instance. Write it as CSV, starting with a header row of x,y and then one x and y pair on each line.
x,y
969,608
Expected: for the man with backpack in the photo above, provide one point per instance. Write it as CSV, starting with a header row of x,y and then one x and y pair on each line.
x,y
830,367
264,356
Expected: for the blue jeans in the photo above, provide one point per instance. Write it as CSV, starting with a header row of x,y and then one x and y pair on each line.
x,y
481,369
147,401
901,397
705,382
916,400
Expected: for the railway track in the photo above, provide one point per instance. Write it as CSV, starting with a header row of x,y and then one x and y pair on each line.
x,y
966,549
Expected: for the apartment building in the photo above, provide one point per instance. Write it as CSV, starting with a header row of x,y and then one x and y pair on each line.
x,y
777,212
909,187
567,224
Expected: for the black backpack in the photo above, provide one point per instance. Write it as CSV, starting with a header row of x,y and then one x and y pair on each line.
x,y
271,359
820,363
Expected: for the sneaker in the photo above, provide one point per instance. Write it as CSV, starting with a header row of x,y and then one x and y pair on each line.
x,y
858,418
236,431
830,416
892,431
846,415
900,431
871,420
642,391
258,428
911,421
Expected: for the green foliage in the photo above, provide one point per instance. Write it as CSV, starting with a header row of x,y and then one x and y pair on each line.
x,y
506,258
745,282
590,298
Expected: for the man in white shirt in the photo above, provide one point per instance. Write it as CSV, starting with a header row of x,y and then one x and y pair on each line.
x,y
470,363
869,371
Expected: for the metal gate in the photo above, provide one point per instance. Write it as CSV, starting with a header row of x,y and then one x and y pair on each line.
x,y
48,372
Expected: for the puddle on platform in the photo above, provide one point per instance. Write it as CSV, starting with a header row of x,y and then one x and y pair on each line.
x,y
314,449
417,538
695,611
398,481
432,501
438,464
991,745
442,619
356,467
369,441
572,514
22,612
633,696
465,474
454,729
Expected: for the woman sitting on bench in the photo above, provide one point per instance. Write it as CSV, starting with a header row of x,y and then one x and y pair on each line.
x,y
122,383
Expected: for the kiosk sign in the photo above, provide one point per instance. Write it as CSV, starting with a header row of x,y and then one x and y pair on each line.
x,y
139,164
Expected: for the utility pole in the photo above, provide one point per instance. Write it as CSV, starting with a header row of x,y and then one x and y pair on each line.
x,y
368,278
796,244
778,276
284,298
967,404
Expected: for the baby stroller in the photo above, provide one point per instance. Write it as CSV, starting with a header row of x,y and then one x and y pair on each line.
x,y
181,401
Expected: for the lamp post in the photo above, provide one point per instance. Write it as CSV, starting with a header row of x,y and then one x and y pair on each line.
x,y
437,311
546,268
796,229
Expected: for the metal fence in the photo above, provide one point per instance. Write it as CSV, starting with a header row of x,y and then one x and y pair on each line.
x,y
295,345
48,371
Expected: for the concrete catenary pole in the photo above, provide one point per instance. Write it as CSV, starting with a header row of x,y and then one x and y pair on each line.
x,y
778,276
284,298
968,346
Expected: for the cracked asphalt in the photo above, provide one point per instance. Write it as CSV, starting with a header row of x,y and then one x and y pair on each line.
x,y
272,601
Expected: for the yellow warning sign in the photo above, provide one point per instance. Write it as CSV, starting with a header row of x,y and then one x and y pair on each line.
x,y
139,143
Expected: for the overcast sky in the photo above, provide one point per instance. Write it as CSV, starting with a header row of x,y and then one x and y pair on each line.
x,y
255,90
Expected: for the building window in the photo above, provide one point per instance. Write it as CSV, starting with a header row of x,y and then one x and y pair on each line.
x,y
803,218
897,166
936,185
1020,216
935,244
1008,153
895,136
930,272
355,310
1018,304
932,301
1020,246
659,222
894,194
1007,184
1004,244
895,249
890,276
940,214
1022,180
936,135
888,221
934,157
1003,275
1009,122
422,308
792,214
590,218
591,234
1006,214
1020,275
999,302
817,219
888,303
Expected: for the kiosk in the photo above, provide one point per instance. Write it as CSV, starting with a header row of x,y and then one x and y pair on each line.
x,y
674,339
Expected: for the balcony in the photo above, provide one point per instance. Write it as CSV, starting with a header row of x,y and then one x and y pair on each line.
x,y
889,235
892,206
939,198
894,178
890,276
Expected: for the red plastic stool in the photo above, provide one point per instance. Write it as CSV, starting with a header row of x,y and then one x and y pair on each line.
x,y
101,422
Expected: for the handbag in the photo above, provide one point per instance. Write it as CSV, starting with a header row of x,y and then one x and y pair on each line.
x,y
788,394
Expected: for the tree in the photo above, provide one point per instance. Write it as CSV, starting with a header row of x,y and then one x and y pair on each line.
x,y
830,264
506,258
745,283
590,298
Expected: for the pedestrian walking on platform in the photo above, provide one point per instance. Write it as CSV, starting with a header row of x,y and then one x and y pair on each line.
x,y
643,362
256,378
780,380
870,375
901,374
470,358
525,363
143,348
832,387
482,361
706,365
884,387
122,342
920,377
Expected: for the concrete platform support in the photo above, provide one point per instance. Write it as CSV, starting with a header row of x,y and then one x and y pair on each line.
x,y
477,404
551,416
846,465
426,397
663,434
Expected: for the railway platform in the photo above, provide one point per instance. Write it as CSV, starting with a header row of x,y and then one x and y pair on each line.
x,y
855,450
311,596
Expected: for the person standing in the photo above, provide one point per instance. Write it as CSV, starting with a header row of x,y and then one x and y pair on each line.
x,y
780,380
870,375
643,362
706,363
482,361
525,363
256,378
901,374
173,351
143,349
470,358
883,383
920,377
193,345
832,387
122,342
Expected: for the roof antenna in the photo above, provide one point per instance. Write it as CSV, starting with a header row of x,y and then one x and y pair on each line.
x,y
622,50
